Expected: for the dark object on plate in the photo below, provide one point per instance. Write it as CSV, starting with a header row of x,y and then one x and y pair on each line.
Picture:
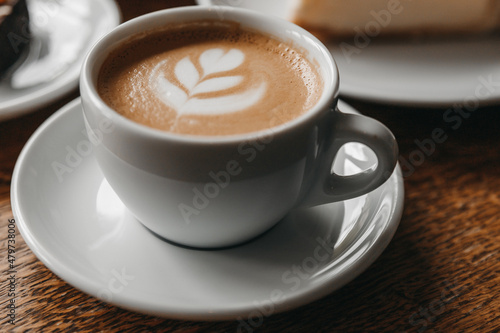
x,y
14,32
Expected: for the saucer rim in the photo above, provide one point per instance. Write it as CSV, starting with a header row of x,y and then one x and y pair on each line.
x,y
291,301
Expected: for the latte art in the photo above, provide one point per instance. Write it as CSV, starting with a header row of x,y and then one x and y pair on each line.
x,y
184,99
208,78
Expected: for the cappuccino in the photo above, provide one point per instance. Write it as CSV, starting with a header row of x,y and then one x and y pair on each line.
x,y
208,78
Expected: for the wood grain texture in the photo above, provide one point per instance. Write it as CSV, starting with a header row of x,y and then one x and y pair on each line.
x,y
440,273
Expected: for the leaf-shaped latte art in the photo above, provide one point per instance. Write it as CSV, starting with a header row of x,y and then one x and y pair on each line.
x,y
187,73
224,104
166,91
219,83
214,61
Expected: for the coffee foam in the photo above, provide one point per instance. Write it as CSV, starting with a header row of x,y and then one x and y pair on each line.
x,y
208,78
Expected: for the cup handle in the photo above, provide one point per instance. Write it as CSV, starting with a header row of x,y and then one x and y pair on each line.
x,y
330,187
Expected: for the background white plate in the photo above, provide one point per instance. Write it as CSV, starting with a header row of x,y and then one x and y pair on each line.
x,y
63,31
435,73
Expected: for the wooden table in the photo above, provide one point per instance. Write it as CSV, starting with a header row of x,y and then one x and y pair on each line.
x,y
440,273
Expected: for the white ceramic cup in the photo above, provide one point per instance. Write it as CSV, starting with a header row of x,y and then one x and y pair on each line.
x,y
218,191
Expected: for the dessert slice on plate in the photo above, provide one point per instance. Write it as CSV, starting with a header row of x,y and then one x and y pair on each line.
x,y
346,18
14,32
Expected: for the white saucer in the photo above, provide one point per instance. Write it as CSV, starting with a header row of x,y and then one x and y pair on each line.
x,y
82,232
63,32
421,73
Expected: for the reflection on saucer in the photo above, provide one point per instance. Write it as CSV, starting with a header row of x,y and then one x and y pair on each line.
x,y
111,214
353,158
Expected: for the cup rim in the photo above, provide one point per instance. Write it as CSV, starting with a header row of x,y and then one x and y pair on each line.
x,y
107,42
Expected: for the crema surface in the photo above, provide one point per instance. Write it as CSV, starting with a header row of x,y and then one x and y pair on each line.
x,y
208,78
